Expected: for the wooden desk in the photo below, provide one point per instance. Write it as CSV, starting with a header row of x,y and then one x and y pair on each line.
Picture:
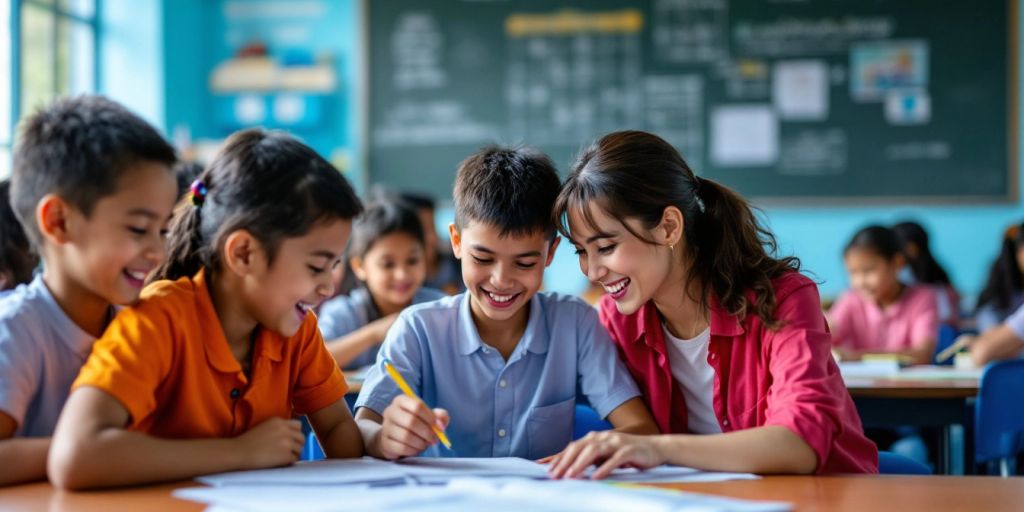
x,y
876,493
925,402
913,389
42,496
847,493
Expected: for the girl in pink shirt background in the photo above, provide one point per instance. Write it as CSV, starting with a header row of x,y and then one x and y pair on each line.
x,y
880,314
726,341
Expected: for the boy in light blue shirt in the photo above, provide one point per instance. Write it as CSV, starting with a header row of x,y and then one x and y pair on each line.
x,y
94,190
500,362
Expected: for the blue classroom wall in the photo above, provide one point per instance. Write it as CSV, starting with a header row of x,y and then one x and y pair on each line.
x,y
186,28
130,40
199,34
964,238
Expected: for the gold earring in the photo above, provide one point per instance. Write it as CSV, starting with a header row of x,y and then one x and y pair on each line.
x,y
671,247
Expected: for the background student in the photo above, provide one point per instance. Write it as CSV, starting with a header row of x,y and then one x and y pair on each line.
x,y
93,190
17,259
206,372
922,269
501,360
443,270
1004,290
387,255
1002,342
880,314
726,340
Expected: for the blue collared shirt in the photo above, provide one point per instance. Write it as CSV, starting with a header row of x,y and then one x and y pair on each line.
x,y
345,313
41,351
523,407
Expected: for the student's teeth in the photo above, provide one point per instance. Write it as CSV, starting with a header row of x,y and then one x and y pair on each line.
x,y
500,298
135,274
616,287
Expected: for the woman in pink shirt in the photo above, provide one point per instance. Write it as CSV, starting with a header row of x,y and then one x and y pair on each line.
x,y
881,314
727,342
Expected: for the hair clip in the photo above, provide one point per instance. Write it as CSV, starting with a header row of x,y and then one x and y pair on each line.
x,y
700,203
198,191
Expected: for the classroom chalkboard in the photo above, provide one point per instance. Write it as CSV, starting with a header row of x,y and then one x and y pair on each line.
x,y
785,100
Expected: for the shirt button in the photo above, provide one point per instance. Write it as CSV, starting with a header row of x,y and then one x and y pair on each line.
x,y
712,356
501,432
725,422
503,383
234,393
487,351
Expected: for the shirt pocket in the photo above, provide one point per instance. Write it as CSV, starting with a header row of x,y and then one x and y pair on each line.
x,y
549,428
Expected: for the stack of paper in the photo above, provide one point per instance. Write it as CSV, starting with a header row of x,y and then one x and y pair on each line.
x,y
493,495
857,371
868,369
940,373
431,470
426,484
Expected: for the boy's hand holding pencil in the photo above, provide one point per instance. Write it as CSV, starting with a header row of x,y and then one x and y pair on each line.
x,y
409,426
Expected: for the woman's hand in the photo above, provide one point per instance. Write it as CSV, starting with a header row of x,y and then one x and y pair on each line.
x,y
608,450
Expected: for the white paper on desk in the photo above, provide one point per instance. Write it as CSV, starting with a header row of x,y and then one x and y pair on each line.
x,y
358,375
940,372
493,495
866,369
317,498
320,472
590,495
369,470
472,466
432,470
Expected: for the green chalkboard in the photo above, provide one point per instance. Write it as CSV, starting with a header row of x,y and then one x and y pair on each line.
x,y
785,100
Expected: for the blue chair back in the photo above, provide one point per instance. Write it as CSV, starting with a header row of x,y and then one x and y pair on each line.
x,y
999,413
890,463
587,420
311,450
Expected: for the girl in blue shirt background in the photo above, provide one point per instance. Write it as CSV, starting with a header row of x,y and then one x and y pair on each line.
x,y
387,255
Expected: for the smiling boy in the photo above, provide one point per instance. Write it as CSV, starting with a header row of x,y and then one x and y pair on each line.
x,y
93,188
501,362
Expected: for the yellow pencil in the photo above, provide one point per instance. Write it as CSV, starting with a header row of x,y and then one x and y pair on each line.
x,y
397,377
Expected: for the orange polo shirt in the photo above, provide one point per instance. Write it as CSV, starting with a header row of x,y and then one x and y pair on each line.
x,y
167,361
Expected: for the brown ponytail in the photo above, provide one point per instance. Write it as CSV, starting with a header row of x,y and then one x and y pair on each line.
x,y
634,174
184,243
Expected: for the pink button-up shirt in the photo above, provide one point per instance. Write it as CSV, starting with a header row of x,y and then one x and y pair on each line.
x,y
859,324
762,377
